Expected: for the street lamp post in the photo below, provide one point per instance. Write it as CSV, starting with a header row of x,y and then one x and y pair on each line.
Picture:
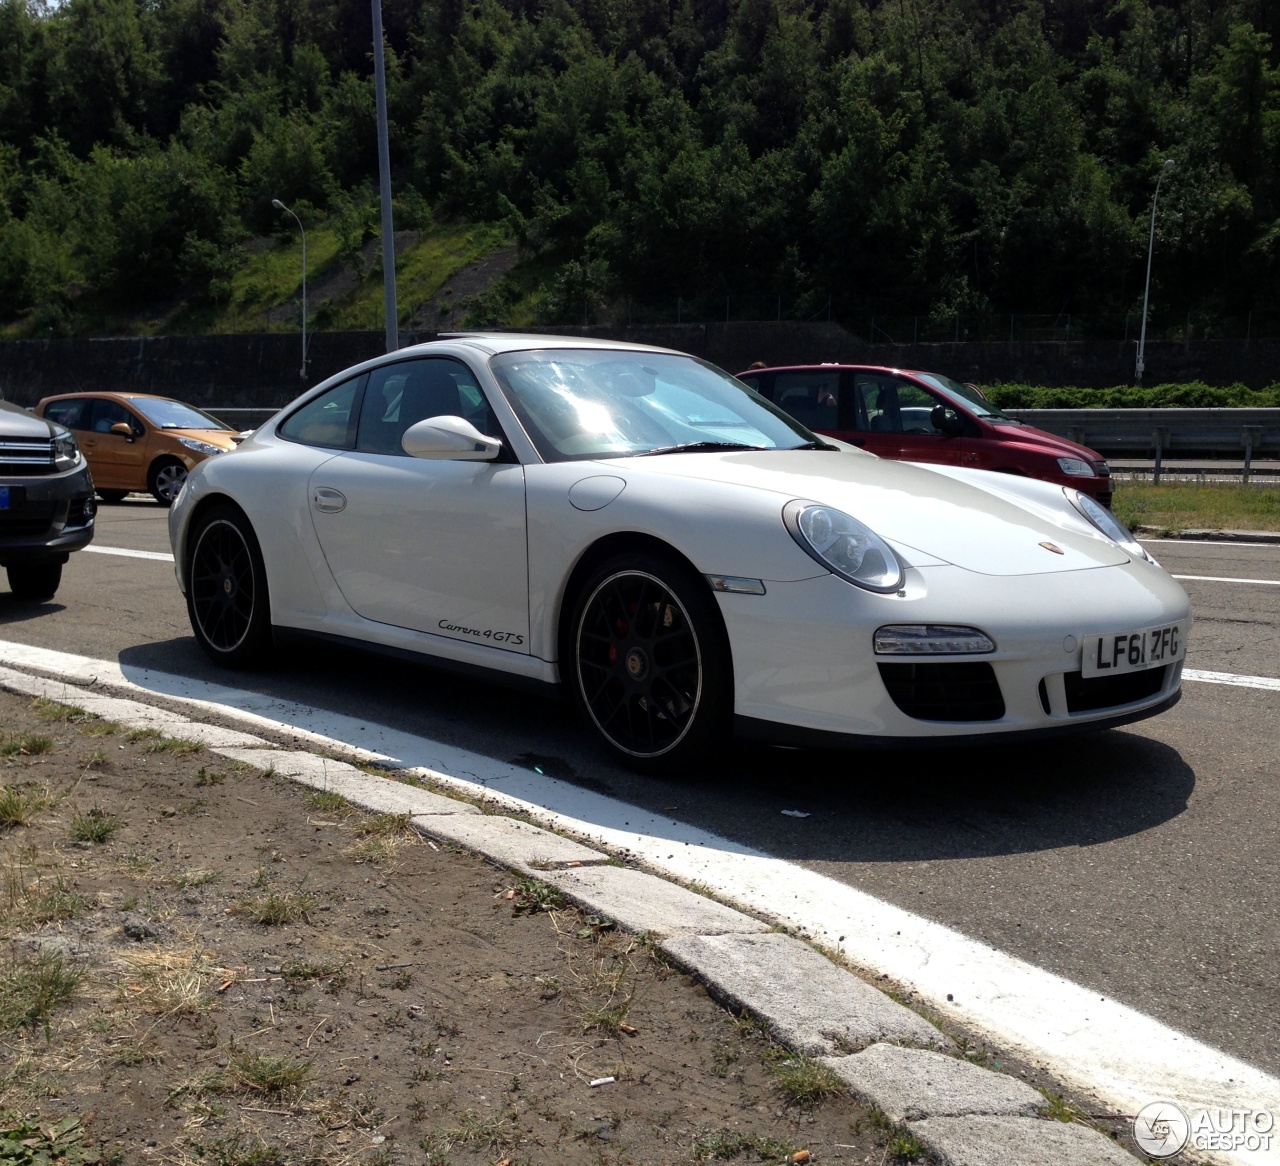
x,y
275,202
1146,292
390,313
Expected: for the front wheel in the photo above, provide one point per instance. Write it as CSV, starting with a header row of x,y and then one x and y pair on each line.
x,y
165,480
34,581
650,662
227,600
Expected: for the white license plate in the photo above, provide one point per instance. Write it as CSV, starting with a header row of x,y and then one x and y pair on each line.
x,y
1113,653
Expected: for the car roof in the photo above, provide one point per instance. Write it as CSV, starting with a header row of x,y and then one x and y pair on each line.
x,y
492,343
836,366
111,394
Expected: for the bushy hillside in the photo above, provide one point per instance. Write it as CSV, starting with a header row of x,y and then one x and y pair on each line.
x,y
923,157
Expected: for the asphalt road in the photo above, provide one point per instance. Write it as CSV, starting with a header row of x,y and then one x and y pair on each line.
x,y
1141,862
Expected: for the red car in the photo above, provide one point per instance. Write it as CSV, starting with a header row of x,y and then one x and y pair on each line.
x,y
926,417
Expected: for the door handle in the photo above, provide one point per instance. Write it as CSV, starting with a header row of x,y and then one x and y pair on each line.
x,y
328,500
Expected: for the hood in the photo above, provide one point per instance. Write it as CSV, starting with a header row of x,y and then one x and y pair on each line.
x,y
1048,442
911,506
222,438
20,423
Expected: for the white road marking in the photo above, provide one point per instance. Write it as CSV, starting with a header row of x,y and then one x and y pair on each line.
x,y
129,553
1232,678
1108,1050
1228,579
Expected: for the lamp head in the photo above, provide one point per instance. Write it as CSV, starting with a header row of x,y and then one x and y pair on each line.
x,y
1168,163
275,202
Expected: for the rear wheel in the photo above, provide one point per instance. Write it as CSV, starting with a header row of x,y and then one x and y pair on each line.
x,y
227,599
650,661
165,480
34,581
112,495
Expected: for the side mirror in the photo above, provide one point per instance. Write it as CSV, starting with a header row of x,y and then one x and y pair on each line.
x,y
946,421
123,429
449,439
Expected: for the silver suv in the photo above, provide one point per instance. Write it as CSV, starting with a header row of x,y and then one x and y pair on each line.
x,y
46,501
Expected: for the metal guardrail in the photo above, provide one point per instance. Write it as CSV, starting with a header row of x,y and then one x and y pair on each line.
x,y
244,417
1165,432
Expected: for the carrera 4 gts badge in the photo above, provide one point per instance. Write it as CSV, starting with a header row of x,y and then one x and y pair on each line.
x,y
481,633
1057,550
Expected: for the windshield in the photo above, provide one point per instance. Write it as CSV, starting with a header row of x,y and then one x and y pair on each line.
x,y
963,395
166,414
591,403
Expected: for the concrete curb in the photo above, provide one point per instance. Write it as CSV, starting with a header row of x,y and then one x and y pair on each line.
x,y
1211,536
965,1115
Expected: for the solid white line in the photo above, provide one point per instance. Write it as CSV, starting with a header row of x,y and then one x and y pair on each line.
x,y
1228,579
1108,1049
1232,678
128,553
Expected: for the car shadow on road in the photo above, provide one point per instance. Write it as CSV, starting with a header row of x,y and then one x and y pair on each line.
x,y
14,610
873,806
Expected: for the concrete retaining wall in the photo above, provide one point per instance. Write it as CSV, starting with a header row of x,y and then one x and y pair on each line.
x,y
262,370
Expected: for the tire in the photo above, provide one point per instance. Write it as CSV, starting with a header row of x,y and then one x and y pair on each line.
x,y
227,598
34,582
111,496
649,662
165,479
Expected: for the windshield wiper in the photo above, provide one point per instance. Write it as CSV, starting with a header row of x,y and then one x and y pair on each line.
x,y
696,447
816,444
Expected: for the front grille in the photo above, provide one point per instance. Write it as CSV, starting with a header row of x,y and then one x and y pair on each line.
x,y
945,692
1104,692
19,458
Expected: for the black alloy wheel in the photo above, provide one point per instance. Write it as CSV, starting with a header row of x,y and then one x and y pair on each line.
x,y
650,661
34,582
227,589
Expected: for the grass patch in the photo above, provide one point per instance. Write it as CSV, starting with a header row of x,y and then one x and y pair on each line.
x,y
209,777
195,878
277,907
39,902
261,1073
532,896
172,745
95,826
25,745
239,1149
57,713
725,1145
804,1081
32,987
301,971
1177,506
100,728
330,803
19,805
380,837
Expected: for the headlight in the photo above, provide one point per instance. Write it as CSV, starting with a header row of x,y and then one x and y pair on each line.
x,y
66,453
843,545
1076,468
1102,518
199,446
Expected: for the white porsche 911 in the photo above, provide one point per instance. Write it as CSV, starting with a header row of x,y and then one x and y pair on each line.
x,y
642,529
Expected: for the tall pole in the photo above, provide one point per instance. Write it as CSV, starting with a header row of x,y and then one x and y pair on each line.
x,y
1146,291
275,202
384,184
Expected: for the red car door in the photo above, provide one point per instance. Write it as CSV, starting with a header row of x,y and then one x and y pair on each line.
x,y
897,415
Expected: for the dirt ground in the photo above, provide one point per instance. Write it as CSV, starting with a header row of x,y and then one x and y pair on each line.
x,y
206,964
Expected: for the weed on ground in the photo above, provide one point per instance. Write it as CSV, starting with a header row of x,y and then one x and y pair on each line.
x,y
206,966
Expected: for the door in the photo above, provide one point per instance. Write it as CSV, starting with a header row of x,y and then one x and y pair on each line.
x,y
435,546
895,414
116,462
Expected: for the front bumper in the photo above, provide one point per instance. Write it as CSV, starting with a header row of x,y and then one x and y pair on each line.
x,y
804,668
51,516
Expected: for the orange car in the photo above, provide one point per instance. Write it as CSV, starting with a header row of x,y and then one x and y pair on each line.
x,y
136,441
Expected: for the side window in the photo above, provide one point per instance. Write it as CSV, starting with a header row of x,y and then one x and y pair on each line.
x,y
103,414
811,397
894,406
328,420
70,413
401,394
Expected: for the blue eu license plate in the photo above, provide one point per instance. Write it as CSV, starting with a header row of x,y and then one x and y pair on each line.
x,y
4,497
